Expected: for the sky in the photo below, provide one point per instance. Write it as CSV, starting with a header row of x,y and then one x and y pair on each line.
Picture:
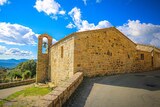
x,y
22,21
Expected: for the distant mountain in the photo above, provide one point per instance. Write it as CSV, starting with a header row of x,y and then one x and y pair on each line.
x,y
11,63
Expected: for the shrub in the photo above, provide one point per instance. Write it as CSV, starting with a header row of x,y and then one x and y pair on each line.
x,y
27,74
28,65
15,73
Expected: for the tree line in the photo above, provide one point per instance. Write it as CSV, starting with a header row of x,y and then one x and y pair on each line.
x,y
22,71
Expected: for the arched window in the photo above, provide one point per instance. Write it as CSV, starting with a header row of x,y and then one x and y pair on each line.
x,y
44,45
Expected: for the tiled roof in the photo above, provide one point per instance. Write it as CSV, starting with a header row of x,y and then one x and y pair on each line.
x,y
147,48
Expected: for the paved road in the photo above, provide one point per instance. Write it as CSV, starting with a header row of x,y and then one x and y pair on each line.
x,y
8,91
126,90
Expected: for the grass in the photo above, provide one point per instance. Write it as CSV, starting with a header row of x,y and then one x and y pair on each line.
x,y
30,91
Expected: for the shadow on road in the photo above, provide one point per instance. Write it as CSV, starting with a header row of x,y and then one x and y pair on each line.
x,y
147,80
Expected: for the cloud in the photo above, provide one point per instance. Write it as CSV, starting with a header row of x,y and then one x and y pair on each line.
x,y
16,34
14,52
98,1
83,25
18,52
46,40
54,41
50,7
144,33
91,26
85,2
62,12
70,25
2,2
2,49
75,14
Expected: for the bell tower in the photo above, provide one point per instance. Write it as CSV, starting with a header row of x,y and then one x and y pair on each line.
x,y
43,67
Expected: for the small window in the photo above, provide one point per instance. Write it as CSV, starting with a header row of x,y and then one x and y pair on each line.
x,y
109,53
128,56
61,51
142,56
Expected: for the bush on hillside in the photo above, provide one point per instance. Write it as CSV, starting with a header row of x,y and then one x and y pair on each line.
x,y
28,65
27,74
23,70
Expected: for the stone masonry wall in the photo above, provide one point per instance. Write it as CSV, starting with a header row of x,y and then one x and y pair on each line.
x,y
104,51
145,64
98,52
43,60
62,93
17,83
62,55
156,60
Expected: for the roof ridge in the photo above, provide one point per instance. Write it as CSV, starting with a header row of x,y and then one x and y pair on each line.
x,y
80,32
148,45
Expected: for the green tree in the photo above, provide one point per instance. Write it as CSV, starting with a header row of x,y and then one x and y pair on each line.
x,y
27,74
15,73
23,70
28,65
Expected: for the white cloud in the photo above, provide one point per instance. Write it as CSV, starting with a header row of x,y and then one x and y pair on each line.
x,y
62,12
14,52
144,33
85,2
90,26
50,7
46,40
54,41
16,34
75,14
70,25
47,6
17,52
2,49
2,2
98,1
83,25
104,24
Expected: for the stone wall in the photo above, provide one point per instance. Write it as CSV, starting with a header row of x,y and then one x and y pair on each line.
x,y
104,51
18,83
156,60
143,64
43,59
59,95
61,57
96,52
152,58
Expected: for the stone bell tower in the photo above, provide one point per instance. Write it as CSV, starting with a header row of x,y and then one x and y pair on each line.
x,y
43,67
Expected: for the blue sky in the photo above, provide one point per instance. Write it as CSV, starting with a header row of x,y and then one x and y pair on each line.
x,y
22,21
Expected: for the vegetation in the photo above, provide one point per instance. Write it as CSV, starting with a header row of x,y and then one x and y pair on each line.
x,y
30,91
24,70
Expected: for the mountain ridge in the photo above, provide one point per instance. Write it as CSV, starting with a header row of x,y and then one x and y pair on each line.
x,y
11,63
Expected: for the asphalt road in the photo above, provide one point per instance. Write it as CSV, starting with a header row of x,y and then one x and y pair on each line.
x,y
125,90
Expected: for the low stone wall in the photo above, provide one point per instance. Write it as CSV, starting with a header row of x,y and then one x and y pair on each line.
x,y
18,83
60,94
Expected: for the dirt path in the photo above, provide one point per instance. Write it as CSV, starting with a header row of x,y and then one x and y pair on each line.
x,y
8,91
126,90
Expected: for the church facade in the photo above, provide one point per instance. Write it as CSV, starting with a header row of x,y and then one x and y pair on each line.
x,y
95,52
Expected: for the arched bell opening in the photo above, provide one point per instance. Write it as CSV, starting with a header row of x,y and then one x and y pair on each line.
x,y
44,45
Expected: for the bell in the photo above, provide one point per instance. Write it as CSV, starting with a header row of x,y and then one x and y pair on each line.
x,y
44,44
